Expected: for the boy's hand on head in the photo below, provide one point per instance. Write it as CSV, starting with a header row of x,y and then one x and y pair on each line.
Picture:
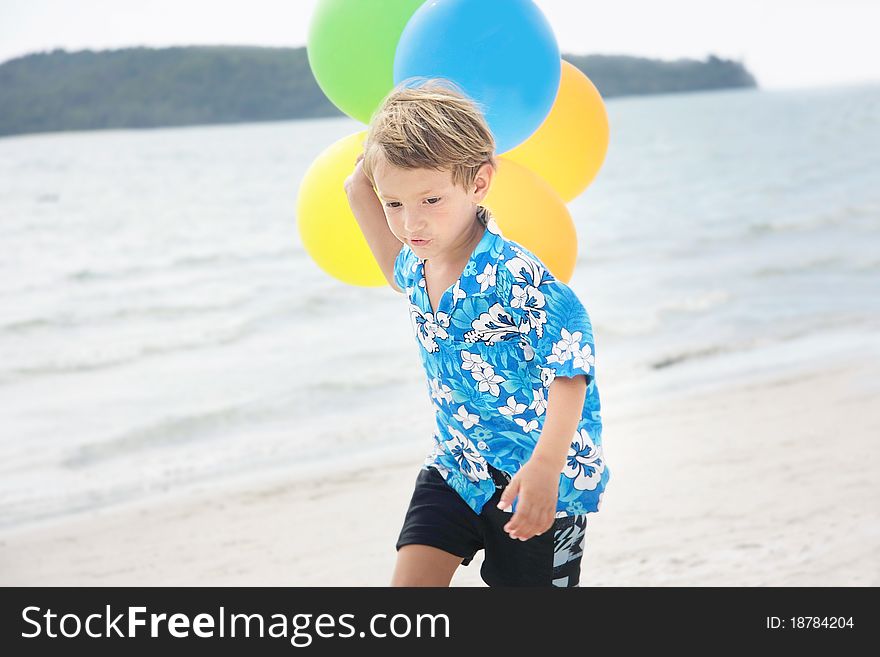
x,y
357,180
537,486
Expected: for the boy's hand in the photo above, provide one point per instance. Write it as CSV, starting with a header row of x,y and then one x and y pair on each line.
x,y
537,485
357,180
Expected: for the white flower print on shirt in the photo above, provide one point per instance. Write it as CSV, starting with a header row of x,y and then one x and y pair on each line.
x,y
471,362
569,348
437,326
487,278
471,462
526,269
527,427
427,327
564,348
467,419
526,295
548,375
487,380
432,457
440,391
584,462
512,408
584,357
531,301
528,350
457,292
482,372
493,326
539,403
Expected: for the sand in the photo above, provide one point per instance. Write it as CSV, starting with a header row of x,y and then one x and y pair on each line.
x,y
764,478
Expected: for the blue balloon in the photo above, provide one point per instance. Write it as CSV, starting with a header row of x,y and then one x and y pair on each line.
x,y
502,53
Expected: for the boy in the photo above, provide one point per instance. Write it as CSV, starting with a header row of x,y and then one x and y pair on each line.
x,y
508,350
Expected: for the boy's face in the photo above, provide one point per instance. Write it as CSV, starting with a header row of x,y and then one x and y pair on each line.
x,y
425,204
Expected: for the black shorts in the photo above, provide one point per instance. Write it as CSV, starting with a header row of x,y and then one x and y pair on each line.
x,y
439,517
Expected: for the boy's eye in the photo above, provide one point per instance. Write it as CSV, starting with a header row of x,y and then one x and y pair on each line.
x,y
431,201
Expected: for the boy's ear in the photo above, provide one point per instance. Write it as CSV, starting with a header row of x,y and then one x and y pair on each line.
x,y
483,181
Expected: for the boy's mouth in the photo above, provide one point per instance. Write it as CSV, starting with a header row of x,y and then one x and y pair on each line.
x,y
420,242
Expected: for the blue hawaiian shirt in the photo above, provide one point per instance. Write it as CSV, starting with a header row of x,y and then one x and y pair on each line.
x,y
499,337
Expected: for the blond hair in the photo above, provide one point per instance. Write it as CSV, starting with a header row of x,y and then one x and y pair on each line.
x,y
430,126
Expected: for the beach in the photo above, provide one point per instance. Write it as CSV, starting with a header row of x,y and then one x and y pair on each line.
x,y
765,481
187,398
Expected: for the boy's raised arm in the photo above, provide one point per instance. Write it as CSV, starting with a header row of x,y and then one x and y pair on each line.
x,y
367,210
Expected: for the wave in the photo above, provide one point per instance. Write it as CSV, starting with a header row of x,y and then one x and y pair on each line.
x,y
696,302
190,261
159,311
35,323
319,299
679,358
819,264
800,223
867,266
369,381
134,353
168,431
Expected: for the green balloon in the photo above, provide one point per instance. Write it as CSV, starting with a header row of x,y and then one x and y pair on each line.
x,y
351,49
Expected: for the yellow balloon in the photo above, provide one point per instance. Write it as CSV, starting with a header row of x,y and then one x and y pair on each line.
x,y
329,232
568,149
530,212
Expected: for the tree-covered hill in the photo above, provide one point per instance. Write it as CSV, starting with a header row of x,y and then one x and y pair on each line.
x,y
150,87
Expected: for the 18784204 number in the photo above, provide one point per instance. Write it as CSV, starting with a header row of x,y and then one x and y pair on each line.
x,y
809,622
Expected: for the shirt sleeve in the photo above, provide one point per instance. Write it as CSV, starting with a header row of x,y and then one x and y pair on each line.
x,y
566,337
403,268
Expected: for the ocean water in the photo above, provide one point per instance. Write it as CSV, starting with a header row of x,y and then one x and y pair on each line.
x,y
161,326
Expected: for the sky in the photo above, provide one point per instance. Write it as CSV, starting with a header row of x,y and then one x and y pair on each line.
x,y
784,43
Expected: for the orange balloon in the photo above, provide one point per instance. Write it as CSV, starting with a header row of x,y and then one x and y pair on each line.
x,y
568,149
530,212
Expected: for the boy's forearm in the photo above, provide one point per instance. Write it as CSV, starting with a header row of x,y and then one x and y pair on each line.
x,y
367,210
565,404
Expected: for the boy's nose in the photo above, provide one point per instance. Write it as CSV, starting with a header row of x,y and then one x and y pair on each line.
x,y
413,224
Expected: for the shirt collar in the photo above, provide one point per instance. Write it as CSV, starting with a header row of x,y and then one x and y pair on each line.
x,y
485,255
474,279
